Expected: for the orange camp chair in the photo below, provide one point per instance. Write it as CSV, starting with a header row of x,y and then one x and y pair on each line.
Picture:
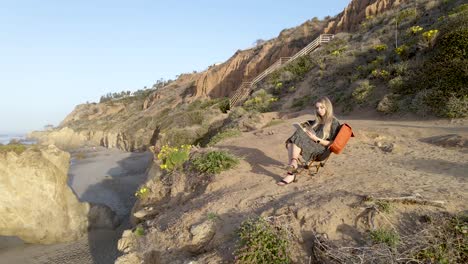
x,y
341,139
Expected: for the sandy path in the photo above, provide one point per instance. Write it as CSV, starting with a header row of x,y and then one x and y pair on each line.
x,y
105,176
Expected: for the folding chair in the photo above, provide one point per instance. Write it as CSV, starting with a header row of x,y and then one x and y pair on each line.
x,y
344,134
316,164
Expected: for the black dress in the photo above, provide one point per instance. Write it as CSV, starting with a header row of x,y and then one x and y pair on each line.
x,y
309,149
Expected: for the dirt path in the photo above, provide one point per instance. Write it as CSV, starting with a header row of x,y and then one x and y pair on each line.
x,y
105,176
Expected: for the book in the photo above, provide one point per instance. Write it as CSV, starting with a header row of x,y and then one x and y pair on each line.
x,y
299,126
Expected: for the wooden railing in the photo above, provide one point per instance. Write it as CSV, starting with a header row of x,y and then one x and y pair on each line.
x,y
245,88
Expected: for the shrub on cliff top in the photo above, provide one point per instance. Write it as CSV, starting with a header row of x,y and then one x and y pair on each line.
x,y
173,158
262,242
214,162
17,148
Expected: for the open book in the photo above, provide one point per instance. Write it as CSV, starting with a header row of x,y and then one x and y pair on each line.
x,y
299,126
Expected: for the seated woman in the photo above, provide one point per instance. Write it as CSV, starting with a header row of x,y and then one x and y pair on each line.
x,y
314,140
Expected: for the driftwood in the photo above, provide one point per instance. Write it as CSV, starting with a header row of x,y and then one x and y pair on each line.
x,y
412,199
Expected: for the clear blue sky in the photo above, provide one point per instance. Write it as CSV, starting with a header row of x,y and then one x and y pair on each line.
x,y
57,54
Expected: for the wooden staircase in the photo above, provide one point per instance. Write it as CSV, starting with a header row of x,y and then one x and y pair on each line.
x,y
245,88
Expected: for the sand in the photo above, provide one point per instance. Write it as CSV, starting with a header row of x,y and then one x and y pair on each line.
x,y
100,175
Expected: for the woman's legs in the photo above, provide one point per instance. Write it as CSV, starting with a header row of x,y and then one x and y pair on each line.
x,y
293,154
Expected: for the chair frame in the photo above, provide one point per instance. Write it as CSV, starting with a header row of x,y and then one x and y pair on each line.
x,y
307,166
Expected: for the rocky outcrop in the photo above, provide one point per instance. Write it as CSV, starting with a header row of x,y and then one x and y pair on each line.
x,y
37,205
67,138
356,12
93,111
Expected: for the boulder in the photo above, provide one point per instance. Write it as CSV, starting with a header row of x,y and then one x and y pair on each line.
x,y
37,205
131,258
201,235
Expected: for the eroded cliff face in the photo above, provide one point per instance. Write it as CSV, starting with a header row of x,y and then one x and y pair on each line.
x,y
131,123
221,80
37,205
356,12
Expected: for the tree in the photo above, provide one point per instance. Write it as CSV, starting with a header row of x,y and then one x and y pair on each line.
x,y
259,42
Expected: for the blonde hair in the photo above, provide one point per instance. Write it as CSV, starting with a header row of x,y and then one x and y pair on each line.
x,y
327,118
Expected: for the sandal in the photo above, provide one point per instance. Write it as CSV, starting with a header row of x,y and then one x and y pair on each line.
x,y
290,168
283,182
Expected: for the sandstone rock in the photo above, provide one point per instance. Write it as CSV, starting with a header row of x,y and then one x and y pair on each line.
x,y
201,235
356,12
131,258
64,138
37,205
127,243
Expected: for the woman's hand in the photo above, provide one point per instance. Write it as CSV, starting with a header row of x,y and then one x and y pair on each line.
x,y
312,135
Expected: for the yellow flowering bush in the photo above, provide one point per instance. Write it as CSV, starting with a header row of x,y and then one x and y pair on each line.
x,y
142,192
415,29
172,158
429,36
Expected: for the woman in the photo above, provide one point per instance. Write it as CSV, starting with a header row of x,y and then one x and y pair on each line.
x,y
314,140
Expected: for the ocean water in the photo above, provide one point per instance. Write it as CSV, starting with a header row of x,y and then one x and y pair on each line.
x,y
6,138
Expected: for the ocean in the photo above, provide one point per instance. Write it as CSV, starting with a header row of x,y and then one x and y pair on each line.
x,y
6,138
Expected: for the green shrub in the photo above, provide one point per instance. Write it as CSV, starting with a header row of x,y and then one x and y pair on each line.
x,y
180,136
406,14
214,162
139,231
382,74
223,135
388,104
225,105
172,158
261,101
448,240
384,206
399,69
299,67
389,237
380,47
262,243
362,91
396,83
212,216
17,148
456,107
338,51
193,118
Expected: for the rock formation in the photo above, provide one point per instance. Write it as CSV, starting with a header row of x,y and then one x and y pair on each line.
x,y
356,12
37,205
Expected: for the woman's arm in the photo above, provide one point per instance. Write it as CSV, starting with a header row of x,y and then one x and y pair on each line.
x,y
318,140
